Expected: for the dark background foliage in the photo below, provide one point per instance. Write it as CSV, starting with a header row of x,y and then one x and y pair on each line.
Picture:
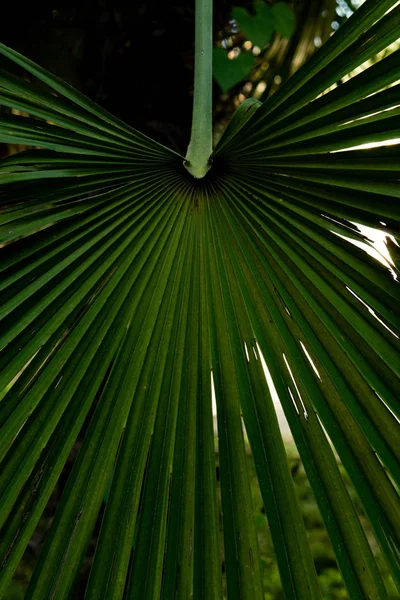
x,y
136,58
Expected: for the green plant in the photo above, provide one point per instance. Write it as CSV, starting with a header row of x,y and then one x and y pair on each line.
x,y
258,29
129,288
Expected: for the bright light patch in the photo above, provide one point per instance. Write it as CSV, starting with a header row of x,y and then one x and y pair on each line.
x,y
378,249
293,401
393,142
388,407
371,311
260,89
310,360
305,413
213,397
283,424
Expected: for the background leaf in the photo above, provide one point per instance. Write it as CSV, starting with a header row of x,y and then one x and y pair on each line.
x,y
283,19
257,28
230,72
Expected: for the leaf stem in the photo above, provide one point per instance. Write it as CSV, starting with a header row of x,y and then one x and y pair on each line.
x,y
200,146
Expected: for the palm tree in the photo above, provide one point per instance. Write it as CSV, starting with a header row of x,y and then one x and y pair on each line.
x,y
131,292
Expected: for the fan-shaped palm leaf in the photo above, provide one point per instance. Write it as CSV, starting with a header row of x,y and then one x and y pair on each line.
x,y
129,289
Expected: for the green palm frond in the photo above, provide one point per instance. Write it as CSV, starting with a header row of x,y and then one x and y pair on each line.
x,y
131,293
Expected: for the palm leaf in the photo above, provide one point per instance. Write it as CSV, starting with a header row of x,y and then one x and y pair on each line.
x,y
132,293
